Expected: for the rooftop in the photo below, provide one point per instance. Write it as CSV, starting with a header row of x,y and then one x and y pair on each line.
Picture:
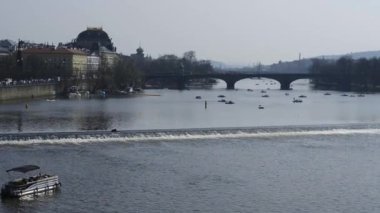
x,y
4,50
54,51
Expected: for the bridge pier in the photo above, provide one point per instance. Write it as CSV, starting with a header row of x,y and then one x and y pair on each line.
x,y
285,85
181,83
230,85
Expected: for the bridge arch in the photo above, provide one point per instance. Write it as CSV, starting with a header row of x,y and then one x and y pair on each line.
x,y
285,79
300,83
256,80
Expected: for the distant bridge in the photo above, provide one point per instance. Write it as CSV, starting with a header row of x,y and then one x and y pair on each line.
x,y
285,79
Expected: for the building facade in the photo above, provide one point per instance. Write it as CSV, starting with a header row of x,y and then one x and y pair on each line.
x,y
97,43
70,62
93,62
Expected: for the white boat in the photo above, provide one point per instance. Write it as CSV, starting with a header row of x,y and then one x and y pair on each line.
x,y
41,183
74,95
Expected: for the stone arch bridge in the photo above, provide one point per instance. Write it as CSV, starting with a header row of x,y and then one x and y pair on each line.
x,y
285,79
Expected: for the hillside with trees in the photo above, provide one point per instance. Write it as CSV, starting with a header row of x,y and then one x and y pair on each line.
x,y
347,74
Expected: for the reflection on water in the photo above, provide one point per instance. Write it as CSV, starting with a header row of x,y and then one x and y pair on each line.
x,y
91,116
30,203
98,122
169,109
19,121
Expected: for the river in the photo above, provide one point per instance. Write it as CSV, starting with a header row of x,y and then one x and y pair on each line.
x,y
171,154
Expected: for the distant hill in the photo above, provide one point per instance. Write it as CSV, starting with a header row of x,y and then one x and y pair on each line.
x,y
224,66
356,55
298,66
302,66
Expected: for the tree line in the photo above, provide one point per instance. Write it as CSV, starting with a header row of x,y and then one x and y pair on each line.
x,y
347,74
128,71
34,67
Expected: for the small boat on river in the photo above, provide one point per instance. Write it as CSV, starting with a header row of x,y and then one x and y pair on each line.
x,y
41,183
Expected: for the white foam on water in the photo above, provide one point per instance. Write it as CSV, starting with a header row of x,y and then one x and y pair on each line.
x,y
181,135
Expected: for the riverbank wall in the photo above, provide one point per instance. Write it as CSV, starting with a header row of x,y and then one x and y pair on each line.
x,y
28,91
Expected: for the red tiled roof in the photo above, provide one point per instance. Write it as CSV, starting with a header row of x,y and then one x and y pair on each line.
x,y
53,51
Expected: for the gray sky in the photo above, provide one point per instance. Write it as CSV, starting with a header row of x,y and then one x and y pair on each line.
x,y
231,31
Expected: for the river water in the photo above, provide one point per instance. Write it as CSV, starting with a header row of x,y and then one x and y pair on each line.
x,y
171,154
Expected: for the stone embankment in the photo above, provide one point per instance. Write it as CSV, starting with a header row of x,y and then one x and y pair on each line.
x,y
27,91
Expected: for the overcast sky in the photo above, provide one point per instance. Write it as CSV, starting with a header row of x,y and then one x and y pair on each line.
x,y
231,31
